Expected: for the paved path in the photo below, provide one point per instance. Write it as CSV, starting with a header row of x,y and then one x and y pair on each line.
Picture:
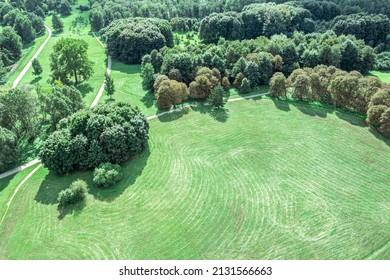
x,y
28,65
101,90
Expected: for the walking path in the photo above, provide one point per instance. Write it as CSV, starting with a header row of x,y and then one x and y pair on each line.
x,y
101,90
28,65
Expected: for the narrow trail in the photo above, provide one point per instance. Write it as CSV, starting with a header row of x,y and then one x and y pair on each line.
x,y
101,90
28,65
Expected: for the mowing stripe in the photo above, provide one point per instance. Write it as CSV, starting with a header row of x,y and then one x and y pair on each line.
x,y
17,189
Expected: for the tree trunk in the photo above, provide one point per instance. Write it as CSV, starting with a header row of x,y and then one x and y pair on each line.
x,y
75,76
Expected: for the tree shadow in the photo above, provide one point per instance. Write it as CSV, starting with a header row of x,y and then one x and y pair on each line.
x,y
379,136
173,115
73,209
281,105
53,184
221,114
125,68
36,80
310,110
84,88
131,171
353,119
109,100
5,182
148,99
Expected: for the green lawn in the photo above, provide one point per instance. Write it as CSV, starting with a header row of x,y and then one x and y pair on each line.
x,y
263,180
384,76
95,52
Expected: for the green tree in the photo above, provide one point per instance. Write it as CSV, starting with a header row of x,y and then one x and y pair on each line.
x,y
96,19
9,147
37,68
109,86
278,85
349,56
11,43
70,58
147,74
216,97
65,8
19,112
245,86
171,92
107,175
57,23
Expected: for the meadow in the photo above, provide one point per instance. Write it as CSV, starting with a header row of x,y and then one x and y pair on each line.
x,y
262,179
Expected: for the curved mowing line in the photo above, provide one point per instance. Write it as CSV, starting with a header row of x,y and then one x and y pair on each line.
x,y
17,189
26,165
28,65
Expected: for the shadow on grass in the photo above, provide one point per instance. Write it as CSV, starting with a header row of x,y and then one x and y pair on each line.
x,y
379,136
313,111
84,88
220,115
148,99
353,119
73,209
5,181
131,170
109,101
173,115
36,80
281,105
125,68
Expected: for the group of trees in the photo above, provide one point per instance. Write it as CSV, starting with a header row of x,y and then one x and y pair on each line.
x,y
10,50
332,86
129,39
28,25
91,137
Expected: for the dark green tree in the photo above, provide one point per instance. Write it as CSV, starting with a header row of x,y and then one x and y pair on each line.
x,y
109,85
37,68
57,23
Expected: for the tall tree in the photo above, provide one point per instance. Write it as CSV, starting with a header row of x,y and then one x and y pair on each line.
x,y
37,68
57,23
70,58
109,86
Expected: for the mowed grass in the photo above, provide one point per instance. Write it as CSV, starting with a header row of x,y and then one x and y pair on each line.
x,y
263,180
96,53
383,76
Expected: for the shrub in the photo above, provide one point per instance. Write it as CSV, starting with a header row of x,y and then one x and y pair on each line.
x,y
76,192
107,175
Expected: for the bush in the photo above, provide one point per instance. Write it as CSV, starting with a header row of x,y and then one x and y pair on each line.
x,y
107,175
76,192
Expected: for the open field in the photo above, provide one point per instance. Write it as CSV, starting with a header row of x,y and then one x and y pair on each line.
x,y
264,180
95,52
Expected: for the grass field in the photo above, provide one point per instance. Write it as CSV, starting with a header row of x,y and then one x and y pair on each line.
x,y
263,180
95,52
384,76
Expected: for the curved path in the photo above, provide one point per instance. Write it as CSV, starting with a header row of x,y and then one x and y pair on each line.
x,y
28,65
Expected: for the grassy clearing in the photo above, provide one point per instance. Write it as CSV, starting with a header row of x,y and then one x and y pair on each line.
x,y
77,30
128,86
383,76
263,180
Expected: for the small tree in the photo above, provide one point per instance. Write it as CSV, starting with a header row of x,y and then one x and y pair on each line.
x,y
216,97
107,175
65,8
225,83
109,86
76,192
245,86
37,68
278,85
57,23
147,74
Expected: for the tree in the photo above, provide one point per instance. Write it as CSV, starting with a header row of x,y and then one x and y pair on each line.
x,y
11,42
349,56
216,97
65,8
96,19
147,74
251,72
225,83
24,28
385,123
75,193
57,23
278,85
19,112
301,87
70,58
109,86
60,103
107,175
9,147
245,86
37,68
171,92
